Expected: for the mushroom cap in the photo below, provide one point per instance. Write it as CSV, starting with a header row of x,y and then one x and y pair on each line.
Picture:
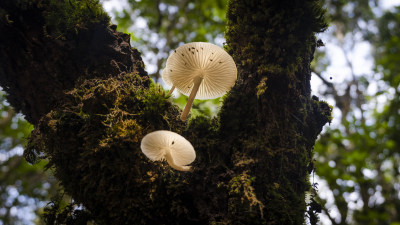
x,y
155,144
206,60
165,77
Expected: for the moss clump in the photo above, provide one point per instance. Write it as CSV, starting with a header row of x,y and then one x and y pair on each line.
x,y
93,142
321,113
66,17
242,191
323,110
262,86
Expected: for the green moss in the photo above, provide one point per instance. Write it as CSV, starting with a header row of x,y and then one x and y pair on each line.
x,y
65,17
268,116
323,111
93,142
262,86
25,4
242,186
281,38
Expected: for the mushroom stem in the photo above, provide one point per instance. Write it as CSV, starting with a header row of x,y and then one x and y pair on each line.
x,y
172,90
196,84
171,162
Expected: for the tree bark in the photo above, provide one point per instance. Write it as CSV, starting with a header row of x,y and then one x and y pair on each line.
x,y
85,90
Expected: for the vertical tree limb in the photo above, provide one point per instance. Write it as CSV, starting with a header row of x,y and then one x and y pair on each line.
x,y
90,99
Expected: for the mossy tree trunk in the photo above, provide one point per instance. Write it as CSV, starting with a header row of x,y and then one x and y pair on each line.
x,y
87,93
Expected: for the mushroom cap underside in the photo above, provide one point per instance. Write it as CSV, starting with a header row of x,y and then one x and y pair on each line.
x,y
155,144
200,59
165,77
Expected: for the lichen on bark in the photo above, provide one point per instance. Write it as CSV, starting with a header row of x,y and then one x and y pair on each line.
x,y
87,93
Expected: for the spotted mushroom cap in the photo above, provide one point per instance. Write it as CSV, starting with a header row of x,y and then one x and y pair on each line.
x,y
206,60
155,144
165,77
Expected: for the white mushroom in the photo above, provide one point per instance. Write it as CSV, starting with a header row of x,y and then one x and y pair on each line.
x,y
200,70
163,144
167,81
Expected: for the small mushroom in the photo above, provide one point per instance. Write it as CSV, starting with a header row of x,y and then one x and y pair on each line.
x,y
165,78
210,73
163,144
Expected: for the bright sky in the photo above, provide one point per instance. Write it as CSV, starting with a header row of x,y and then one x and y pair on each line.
x,y
111,5
390,3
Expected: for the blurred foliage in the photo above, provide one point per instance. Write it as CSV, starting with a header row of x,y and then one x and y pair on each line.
x,y
14,128
201,107
24,188
358,159
157,27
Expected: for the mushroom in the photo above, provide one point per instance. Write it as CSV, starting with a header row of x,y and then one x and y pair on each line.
x,y
163,144
200,70
165,78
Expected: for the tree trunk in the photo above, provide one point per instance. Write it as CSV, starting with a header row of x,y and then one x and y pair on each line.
x,y
85,90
